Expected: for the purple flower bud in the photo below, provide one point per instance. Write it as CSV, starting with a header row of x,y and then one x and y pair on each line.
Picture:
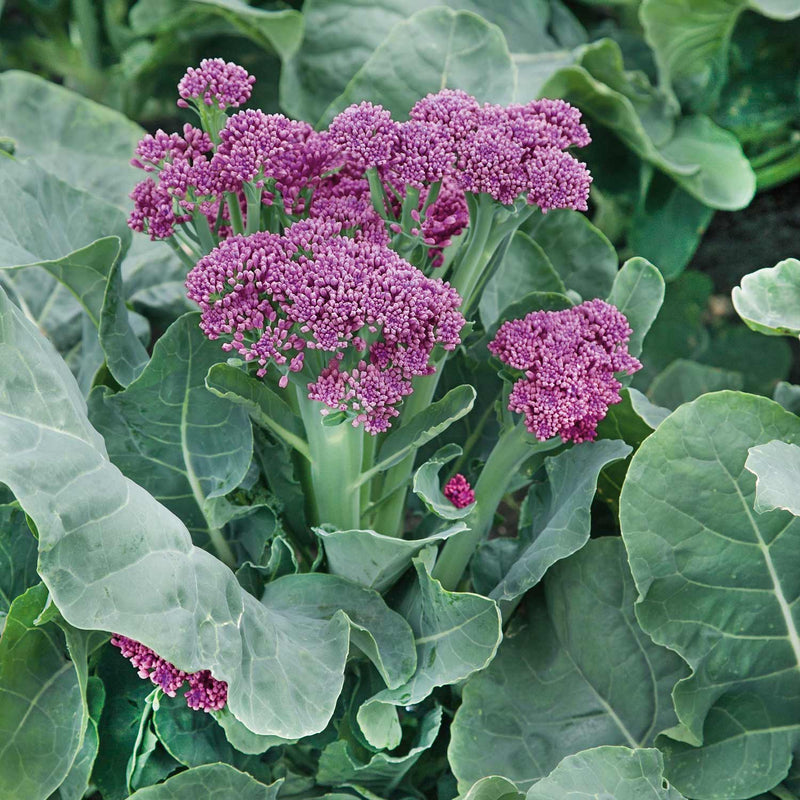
x,y
459,492
365,134
216,83
569,359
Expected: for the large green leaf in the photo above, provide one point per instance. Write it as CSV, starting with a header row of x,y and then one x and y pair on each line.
x,y
717,584
576,672
114,559
525,268
373,559
457,633
581,255
85,144
638,292
683,381
172,436
41,707
705,160
333,49
691,39
211,782
79,240
607,772
17,556
776,466
560,512
453,49
768,300
380,633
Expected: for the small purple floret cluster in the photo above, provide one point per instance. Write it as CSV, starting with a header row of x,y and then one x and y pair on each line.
x,y
568,359
458,491
205,692
375,316
216,83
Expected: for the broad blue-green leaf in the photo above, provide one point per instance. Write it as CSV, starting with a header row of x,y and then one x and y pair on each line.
x,y
581,254
691,39
424,426
575,673
76,783
776,466
453,49
768,300
717,585
705,160
426,484
242,738
211,782
638,292
560,509
85,144
788,395
525,268
41,708
607,772
114,559
79,240
170,435
492,788
17,556
457,633
373,559
383,772
264,406
685,380
380,633
333,49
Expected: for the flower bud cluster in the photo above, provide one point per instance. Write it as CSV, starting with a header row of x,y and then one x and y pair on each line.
x,y
205,692
375,317
568,359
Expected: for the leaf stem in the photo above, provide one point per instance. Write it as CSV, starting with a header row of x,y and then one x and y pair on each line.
x,y
235,211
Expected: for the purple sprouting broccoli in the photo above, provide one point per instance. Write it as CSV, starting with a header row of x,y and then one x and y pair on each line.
x,y
458,491
568,359
216,83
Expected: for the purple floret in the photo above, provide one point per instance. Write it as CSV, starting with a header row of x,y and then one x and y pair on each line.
x,y
216,83
205,692
569,359
459,492
366,135
273,297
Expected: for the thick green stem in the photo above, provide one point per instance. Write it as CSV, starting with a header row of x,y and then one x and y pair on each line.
x,y
203,230
89,30
782,793
253,195
180,252
481,218
336,458
513,448
778,172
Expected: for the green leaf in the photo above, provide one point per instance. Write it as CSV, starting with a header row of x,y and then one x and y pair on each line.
x,y
705,160
114,559
684,380
266,407
41,707
492,788
170,435
454,49
788,395
87,145
61,234
424,426
525,268
776,466
575,673
373,559
607,772
383,772
17,556
457,633
381,634
581,254
561,517
426,484
638,292
211,782
768,300
716,583
242,738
